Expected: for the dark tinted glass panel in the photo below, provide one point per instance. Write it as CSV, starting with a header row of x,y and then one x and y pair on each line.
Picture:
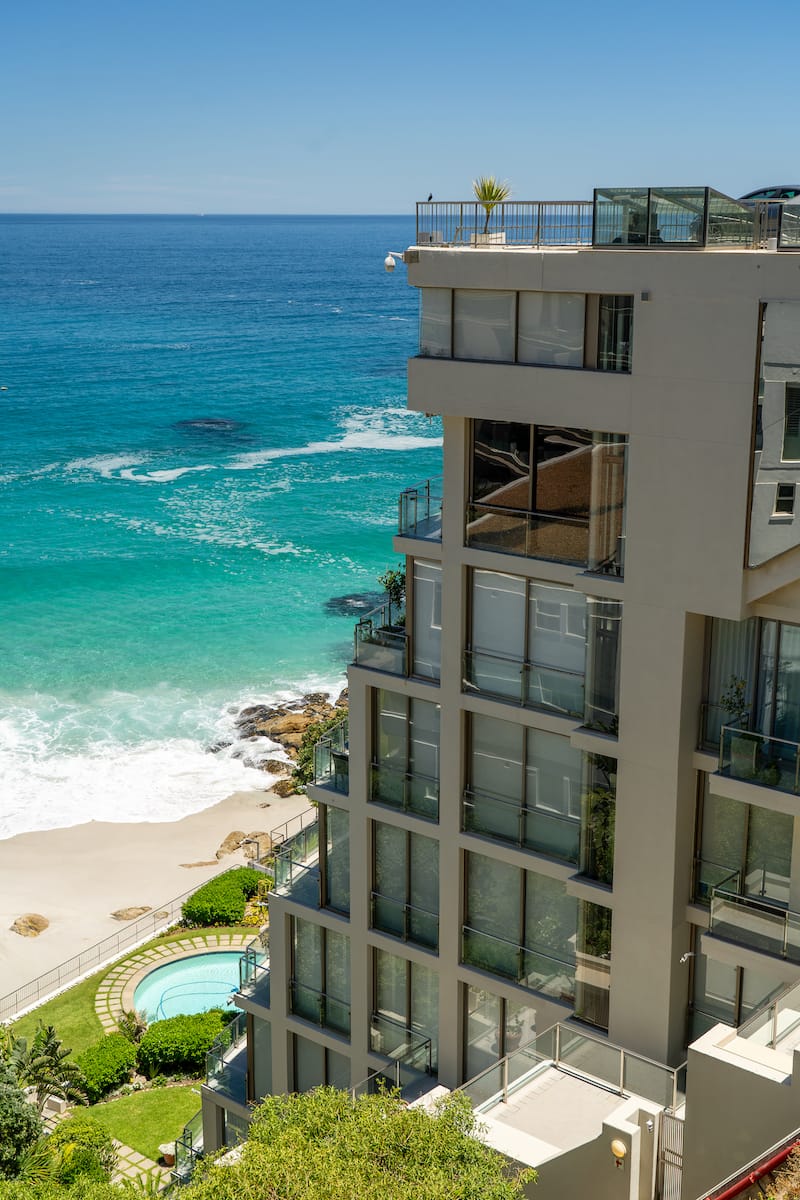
x,y
501,463
615,330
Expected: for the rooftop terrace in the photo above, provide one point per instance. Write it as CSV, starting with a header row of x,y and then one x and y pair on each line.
x,y
616,218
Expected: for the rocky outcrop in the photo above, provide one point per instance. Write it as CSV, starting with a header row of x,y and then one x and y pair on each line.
x,y
275,766
30,925
130,914
286,723
284,787
231,843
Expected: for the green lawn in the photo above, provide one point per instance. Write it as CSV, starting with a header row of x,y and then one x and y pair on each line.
x,y
72,1013
144,1120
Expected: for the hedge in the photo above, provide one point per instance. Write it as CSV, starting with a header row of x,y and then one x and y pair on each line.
x,y
84,1147
107,1064
222,901
180,1044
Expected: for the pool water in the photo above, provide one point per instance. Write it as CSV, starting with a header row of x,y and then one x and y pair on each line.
x,y
189,985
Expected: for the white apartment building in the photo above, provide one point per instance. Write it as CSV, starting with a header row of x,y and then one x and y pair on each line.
x,y
569,790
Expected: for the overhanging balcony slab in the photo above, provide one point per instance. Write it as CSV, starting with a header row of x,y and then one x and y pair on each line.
x,y
747,792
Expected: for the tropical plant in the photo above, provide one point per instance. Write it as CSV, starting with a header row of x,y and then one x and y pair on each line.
x,y
132,1024
36,1163
393,582
82,1147
322,1146
489,192
44,1064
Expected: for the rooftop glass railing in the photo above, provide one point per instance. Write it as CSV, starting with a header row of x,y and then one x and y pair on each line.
x,y
405,790
420,511
677,217
768,761
529,828
320,1008
405,921
528,534
531,685
531,969
789,233
332,759
381,642
756,922
254,977
226,1061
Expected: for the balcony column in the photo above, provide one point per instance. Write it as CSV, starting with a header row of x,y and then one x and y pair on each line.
x,y
361,999
280,973
454,493
794,881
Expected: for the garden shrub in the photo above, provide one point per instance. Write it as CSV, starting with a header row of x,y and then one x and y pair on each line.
x,y
82,1147
180,1044
107,1064
222,901
20,1126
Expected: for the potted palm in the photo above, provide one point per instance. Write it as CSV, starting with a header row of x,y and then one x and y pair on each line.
x,y
489,192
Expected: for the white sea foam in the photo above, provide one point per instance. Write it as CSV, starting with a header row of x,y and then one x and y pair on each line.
x,y
166,476
106,465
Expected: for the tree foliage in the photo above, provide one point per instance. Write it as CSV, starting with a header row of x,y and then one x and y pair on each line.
x,y
322,1146
303,772
20,1127
82,1147
44,1064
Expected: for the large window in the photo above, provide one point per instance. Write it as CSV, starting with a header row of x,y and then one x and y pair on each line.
x,y
615,333
407,995
724,993
427,615
405,753
316,1066
791,425
320,985
550,329
548,492
483,325
742,849
405,885
493,1027
336,861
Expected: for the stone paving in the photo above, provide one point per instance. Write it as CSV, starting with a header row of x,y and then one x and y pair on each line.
x,y
132,1165
108,999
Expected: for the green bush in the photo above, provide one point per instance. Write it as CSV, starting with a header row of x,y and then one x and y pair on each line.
x,y
82,1147
20,1126
107,1064
222,901
180,1044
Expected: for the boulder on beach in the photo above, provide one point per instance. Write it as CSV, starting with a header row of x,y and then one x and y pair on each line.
x,y
231,843
257,843
284,787
275,766
30,925
130,914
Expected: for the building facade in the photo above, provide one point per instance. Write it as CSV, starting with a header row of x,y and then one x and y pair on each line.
x,y
568,791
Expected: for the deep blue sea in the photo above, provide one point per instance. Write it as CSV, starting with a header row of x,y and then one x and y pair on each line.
x,y
203,435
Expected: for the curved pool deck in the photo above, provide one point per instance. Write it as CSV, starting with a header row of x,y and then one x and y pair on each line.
x,y
116,990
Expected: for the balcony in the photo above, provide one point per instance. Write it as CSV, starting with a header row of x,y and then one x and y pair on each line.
x,y
528,534
530,968
188,1149
756,922
404,790
528,828
381,642
320,1008
226,1062
530,685
767,761
332,759
404,921
512,223
297,871
254,979
420,511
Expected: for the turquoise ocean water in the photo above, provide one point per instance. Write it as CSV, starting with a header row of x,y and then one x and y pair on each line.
x,y
202,440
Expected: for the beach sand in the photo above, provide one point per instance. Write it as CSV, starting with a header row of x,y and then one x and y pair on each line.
x,y
77,877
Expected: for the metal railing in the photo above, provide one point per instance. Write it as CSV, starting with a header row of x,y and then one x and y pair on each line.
x,y
188,1148
405,921
254,977
532,969
419,511
529,828
226,1061
529,684
283,834
758,923
381,642
405,790
102,954
528,534
583,1054
758,758
332,759
776,1021
512,223
321,1008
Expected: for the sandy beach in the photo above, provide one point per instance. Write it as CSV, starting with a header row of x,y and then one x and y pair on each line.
x,y
77,877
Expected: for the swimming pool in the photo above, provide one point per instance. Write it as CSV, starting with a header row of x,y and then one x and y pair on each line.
x,y
189,985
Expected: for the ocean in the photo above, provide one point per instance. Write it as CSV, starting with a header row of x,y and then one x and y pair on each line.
x,y
203,436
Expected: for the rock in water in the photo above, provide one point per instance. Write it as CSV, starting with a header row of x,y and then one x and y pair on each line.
x,y
232,842
30,925
130,914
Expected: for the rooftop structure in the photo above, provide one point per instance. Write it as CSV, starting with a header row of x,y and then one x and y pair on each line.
x,y
567,796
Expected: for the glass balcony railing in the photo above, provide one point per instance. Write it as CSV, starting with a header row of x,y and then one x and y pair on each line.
x,y
528,534
420,511
529,828
709,875
677,217
188,1149
404,790
768,761
404,921
411,1049
254,973
756,922
332,759
381,642
531,685
713,718
296,867
319,1007
226,1061
531,968
776,1025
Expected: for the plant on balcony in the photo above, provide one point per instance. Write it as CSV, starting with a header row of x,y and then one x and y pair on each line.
x,y
744,743
393,582
489,192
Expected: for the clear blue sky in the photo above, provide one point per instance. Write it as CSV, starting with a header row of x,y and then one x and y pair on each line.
x,y
349,106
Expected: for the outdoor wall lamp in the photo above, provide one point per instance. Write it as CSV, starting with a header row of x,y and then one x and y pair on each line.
x,y
619,1150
